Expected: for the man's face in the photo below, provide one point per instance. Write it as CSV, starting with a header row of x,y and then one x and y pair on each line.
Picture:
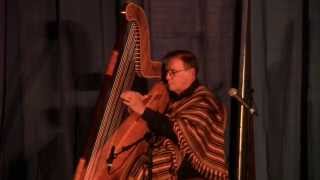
x,y
178,76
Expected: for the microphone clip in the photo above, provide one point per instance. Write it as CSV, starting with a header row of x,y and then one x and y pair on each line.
x,y
235,94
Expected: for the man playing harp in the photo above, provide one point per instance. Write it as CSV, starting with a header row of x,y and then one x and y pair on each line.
x,y
188,139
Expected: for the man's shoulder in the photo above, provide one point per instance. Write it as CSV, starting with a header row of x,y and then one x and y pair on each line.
x,y
203,90
203,93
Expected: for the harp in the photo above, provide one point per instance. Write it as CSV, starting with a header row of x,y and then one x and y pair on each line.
x,y
107,155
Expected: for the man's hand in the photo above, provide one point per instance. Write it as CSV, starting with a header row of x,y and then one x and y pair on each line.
x,y
134,101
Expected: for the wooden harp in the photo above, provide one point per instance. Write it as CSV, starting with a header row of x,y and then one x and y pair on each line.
x,y
130,57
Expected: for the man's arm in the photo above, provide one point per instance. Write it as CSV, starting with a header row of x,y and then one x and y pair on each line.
x,y
159,124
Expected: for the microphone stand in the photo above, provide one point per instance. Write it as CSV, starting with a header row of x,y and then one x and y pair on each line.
x,y
245,157
149,160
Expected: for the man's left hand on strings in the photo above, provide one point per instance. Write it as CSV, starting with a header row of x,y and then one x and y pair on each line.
x,y
134,101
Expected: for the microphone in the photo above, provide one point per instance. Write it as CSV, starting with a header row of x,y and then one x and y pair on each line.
x,y
234,93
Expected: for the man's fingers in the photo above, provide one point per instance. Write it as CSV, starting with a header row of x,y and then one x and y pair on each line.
x,y
126,96
145,97
126,102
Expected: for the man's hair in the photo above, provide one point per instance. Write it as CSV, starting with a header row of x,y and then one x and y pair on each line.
x,y
188,58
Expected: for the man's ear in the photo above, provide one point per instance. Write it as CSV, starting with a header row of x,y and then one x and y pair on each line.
x,y
193,71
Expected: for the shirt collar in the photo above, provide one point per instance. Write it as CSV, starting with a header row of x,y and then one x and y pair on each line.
x,y
175,97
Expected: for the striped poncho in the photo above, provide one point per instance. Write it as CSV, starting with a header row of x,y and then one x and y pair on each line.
x,y
199,122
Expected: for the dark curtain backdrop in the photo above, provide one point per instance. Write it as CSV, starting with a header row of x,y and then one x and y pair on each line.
x,y
285,67
53,53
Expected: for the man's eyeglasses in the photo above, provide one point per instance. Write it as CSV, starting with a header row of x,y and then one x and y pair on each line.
x,y
173,73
